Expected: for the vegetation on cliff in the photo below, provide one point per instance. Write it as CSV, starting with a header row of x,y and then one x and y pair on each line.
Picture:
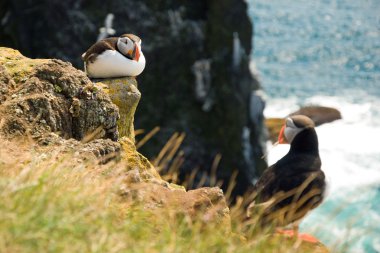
x,y
55,203
67,192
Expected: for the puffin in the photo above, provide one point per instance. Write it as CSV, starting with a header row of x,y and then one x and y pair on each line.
x,y
295,184
115,57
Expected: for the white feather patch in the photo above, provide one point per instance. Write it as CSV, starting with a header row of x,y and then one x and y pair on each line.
x,y
113,64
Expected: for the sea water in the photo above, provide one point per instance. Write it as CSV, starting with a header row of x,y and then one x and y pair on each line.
x,y
328,53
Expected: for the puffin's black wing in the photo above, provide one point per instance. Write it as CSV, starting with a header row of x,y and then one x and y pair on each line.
x,y
287,185
284,177
275,180
98,48
265,187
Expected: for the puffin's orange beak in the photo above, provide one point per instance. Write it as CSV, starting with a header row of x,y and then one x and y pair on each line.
x,y
130,53
281,136
137,53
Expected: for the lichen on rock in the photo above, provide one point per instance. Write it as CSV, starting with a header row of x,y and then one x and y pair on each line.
x,y
42,98
123,93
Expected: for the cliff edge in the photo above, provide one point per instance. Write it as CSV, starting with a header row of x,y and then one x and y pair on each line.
x,y
52,104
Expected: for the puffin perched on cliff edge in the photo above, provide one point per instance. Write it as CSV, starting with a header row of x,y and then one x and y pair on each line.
x,y
295,184
115,57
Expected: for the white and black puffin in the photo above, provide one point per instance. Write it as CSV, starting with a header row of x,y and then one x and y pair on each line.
x,y
115,57
295,184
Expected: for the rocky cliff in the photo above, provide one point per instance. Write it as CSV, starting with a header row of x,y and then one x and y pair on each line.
x,y
48,106
197,79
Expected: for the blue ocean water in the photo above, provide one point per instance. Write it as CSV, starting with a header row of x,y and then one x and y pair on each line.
x,y
327,53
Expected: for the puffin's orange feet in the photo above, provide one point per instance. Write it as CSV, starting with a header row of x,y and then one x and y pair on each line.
x,y
303,237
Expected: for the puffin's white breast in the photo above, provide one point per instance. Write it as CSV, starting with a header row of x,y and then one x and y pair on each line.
x,y
111,63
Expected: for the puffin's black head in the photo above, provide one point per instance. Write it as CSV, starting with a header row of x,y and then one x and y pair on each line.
x,y
293,126
130,46
134,38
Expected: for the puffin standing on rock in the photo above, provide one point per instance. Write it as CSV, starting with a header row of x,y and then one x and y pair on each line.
x,y
115,57
295,184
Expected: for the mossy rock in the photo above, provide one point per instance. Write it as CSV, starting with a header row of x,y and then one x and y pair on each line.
x,y
123,93
18,66
135,159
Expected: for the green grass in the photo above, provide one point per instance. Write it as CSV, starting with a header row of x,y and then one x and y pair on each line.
x,y
51,203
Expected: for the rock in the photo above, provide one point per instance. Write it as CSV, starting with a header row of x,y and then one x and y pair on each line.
x,y
123,93
176,35
135,159
56,105
206,205
319,114
55,97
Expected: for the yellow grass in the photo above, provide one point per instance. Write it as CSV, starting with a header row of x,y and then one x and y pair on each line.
x,y
55,203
